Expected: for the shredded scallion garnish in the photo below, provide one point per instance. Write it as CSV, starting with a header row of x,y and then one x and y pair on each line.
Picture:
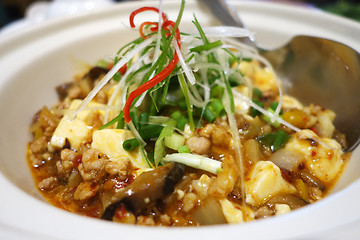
x,y
177,82
195,161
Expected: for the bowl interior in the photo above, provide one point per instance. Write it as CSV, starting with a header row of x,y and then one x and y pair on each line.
x,y
39,60
33,87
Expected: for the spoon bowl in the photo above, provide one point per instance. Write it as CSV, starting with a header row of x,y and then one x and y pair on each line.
x,y
314,70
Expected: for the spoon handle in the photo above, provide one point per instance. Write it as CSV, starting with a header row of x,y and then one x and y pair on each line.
x,y
228,16
225,13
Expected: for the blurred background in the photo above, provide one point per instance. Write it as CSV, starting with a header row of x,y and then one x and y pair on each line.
x,y
14,11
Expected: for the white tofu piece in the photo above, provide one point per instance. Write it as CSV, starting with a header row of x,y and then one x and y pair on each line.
x,y
281,209
291,103
265,80
76,131
325,162
236,213
110,141
233,214
265,181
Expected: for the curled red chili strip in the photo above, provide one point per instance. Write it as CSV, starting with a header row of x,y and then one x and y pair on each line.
x,y
143,9
156,79
144,24
166,27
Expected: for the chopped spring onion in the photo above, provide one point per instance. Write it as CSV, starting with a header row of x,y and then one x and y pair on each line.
x,y
274,140
150,131
275,123
257,94
184,149
176,115
143,119
209,115
217,107
195,161
234,81
181,121
131,144
274,105
254,112
174,141
216,92
167,131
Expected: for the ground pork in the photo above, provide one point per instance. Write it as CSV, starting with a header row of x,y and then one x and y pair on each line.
x,y
93,165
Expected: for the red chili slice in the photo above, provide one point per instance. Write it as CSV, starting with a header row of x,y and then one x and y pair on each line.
x,y
143,9
156,79
141,28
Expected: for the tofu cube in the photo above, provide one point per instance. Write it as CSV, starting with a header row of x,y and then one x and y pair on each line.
x,y
110,142
265,181
77,130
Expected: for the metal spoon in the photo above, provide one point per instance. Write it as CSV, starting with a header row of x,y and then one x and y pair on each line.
x,y
314,70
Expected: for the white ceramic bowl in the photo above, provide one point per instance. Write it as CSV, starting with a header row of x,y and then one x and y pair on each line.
x,y
34,61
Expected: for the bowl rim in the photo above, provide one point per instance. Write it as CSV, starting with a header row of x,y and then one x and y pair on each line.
x,y
11,41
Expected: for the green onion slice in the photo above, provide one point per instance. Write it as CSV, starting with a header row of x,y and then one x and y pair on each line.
x,y
131,144
195,161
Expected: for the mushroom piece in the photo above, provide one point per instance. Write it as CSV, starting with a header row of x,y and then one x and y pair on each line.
x,y
293,201
146,188
92,75
312,180
95,72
